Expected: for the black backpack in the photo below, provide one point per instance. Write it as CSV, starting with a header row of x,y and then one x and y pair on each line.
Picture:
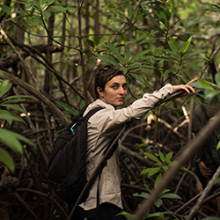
x,y
66,168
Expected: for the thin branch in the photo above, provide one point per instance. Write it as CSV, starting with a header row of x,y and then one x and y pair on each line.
x,y
27,207
205,192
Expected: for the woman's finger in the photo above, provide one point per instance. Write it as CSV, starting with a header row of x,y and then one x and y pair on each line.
x,y
193,80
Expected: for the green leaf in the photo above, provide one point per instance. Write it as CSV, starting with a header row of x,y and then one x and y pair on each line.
x,y
217,78
12,140
35,4
152,157
107,59
186,45
165,168
147,187
161,156
173,45
153,171
158,203
46,14
12,101
2,13
90,43
101,41
184,168
96,41
126,214
158,179
156,214
122,36
127,56
164,191
34,20
15,107
212,96
146,10
59,8
205,84
170,196
17,97
172,8
8,138
145,171
141,78
5,115
159,164
67,107
124,70
168,157
139,55
168,71
47,2
92,62
214,5
142,195
6,9
218,145
167,15
190,55
24,139
115,52
7,160
130,12
4,87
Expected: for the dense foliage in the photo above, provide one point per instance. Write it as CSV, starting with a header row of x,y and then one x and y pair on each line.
x,y
50,51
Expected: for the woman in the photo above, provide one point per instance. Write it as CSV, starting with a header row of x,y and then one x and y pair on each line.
x,y
111,89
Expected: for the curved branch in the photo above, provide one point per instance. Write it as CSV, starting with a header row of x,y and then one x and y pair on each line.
x,y
53,108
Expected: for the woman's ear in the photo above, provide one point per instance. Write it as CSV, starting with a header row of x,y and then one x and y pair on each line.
x,y
100,92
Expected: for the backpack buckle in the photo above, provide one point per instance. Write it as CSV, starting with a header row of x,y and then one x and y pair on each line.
x,y
73,128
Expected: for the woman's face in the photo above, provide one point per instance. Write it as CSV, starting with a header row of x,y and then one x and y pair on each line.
x,y
115,91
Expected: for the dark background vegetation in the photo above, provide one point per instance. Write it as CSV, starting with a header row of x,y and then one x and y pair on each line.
x,y
50,51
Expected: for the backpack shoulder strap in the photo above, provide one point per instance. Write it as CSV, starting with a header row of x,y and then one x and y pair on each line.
x,y
77,119
91,112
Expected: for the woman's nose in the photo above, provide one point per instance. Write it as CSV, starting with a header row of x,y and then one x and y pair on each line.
x,y
122,90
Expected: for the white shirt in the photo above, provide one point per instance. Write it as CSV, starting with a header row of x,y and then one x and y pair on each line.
x,y
102,127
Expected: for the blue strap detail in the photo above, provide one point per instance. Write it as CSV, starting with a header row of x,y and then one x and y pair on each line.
x,y
73,128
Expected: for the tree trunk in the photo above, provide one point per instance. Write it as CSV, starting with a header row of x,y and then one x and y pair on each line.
x,y
48,75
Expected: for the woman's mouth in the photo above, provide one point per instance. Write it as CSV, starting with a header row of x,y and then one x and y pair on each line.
x,y
121,99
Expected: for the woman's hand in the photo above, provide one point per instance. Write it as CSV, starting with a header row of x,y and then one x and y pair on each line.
x,y
187,88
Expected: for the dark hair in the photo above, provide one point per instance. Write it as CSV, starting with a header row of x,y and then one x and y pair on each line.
x,y
104,75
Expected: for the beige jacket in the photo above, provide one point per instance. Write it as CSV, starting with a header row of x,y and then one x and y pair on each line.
x,y
102,127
